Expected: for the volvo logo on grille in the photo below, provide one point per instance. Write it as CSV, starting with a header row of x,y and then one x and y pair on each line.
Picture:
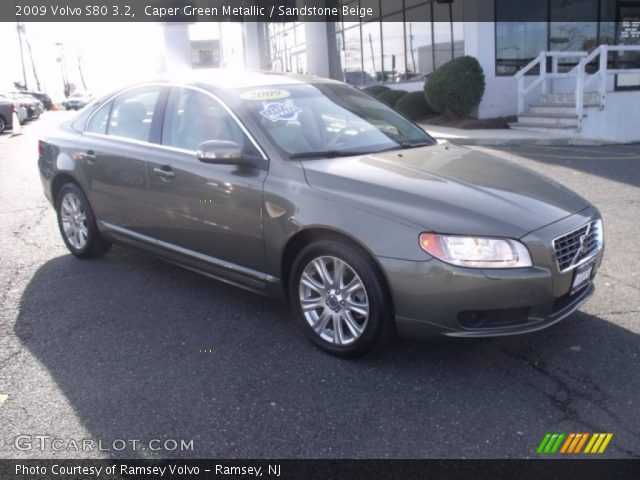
x,y
581,247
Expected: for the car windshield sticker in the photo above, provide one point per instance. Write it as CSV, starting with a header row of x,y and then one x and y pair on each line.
x,y
265,94
280,111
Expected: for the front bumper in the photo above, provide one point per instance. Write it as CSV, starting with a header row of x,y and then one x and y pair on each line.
x,y
435,298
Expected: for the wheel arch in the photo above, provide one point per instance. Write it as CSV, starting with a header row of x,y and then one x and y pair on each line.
x,y
59,180
304,237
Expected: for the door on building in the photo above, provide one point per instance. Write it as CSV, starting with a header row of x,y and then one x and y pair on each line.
x,y
628,33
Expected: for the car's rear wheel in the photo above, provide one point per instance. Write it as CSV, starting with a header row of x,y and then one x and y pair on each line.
x,y
340,299
3,124
78,224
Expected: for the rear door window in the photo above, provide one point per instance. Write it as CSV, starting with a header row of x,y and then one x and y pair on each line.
x,y
132,113
100,119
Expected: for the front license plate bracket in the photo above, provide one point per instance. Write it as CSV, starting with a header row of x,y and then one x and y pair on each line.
x,y
582,276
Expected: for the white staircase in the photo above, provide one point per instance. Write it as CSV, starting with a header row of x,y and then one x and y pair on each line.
x,y
555,113
566,111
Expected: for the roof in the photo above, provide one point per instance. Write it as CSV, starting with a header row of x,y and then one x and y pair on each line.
x,y
224,78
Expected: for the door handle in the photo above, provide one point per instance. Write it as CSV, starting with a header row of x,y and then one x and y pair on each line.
x,y
89,156
164,172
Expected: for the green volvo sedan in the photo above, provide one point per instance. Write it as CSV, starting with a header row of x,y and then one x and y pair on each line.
x,y
313,191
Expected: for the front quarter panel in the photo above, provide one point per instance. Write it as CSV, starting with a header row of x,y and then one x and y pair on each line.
x,y
291,206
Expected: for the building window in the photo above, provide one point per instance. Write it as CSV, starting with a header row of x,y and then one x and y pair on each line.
x,y
419,40
371,50
286,47
401,46
551,25
393,56
351,49
518,42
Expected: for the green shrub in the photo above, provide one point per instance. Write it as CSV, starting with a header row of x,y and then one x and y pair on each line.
x,y
392,96
414,106
456,87
376,90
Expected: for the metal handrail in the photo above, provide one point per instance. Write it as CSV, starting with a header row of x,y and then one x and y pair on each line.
x,y
541,60
583,78
601,75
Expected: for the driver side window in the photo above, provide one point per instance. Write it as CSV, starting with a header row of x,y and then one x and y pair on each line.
x,y
193,117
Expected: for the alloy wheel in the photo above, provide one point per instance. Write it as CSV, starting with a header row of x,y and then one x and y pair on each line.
x,y
333,300
74,221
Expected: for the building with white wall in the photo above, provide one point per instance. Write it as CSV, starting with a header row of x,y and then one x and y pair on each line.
x,y
409,39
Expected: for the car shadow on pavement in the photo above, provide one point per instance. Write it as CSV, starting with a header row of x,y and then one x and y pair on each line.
x,y
145,350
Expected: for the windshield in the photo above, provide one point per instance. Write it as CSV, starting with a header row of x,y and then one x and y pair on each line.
x,y
329,120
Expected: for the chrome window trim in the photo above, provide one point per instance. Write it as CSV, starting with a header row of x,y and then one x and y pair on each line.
x,y
590,224
141,143
168,147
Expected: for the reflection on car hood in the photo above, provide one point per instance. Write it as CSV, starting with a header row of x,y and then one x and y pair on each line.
x,y
447,189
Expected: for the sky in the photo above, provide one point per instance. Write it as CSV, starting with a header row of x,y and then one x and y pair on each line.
x,y
113,54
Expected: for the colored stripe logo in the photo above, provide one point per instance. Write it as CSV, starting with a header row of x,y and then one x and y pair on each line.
x,y
574,443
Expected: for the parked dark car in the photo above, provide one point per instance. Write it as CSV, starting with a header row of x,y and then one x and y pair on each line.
x,y
6,115
313,191
42,97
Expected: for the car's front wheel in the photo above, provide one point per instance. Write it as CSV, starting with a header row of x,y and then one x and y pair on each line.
x,y
78,224
340,299
3,124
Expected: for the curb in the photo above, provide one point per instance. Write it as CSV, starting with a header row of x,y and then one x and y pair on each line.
x,y
525,141
496,142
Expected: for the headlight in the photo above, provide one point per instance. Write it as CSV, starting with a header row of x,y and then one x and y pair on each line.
x,y
476,252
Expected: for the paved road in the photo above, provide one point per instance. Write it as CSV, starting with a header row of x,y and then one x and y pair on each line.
x,y
118,348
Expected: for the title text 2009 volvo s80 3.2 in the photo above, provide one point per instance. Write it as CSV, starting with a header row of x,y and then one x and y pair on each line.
x,y
316,192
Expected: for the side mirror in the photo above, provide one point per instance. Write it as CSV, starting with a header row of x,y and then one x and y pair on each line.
x,y
222,152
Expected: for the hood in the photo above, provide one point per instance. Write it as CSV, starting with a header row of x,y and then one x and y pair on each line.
x,y
447,189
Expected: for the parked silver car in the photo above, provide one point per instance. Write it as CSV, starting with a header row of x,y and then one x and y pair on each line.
x,y
77,100
18,106
316,192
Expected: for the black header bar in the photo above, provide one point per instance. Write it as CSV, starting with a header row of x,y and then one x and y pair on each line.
x,y
281,10
319,469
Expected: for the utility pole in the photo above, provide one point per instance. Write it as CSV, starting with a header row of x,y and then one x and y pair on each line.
x,y
373,59
84,84
413,57
33,64
63,66
24,71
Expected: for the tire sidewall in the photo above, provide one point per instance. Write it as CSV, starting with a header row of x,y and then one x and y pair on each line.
x,y
376,295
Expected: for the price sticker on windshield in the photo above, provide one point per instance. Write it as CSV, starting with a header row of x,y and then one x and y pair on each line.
x,y
280,111
265,94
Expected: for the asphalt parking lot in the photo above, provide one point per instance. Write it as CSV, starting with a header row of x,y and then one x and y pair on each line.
x,y
128,347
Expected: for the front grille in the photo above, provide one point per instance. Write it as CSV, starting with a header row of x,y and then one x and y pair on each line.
x,y
577,245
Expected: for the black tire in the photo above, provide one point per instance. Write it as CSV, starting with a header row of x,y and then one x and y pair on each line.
x,y
379,328
3,124
95,245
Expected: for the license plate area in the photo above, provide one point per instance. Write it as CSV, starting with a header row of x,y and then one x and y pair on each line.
x,y
582,276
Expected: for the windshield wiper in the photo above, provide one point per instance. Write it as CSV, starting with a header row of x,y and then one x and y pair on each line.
x,y
327,154
405,145
349,153
415,144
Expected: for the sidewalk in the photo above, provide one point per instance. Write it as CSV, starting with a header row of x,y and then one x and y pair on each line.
x,y
487,137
